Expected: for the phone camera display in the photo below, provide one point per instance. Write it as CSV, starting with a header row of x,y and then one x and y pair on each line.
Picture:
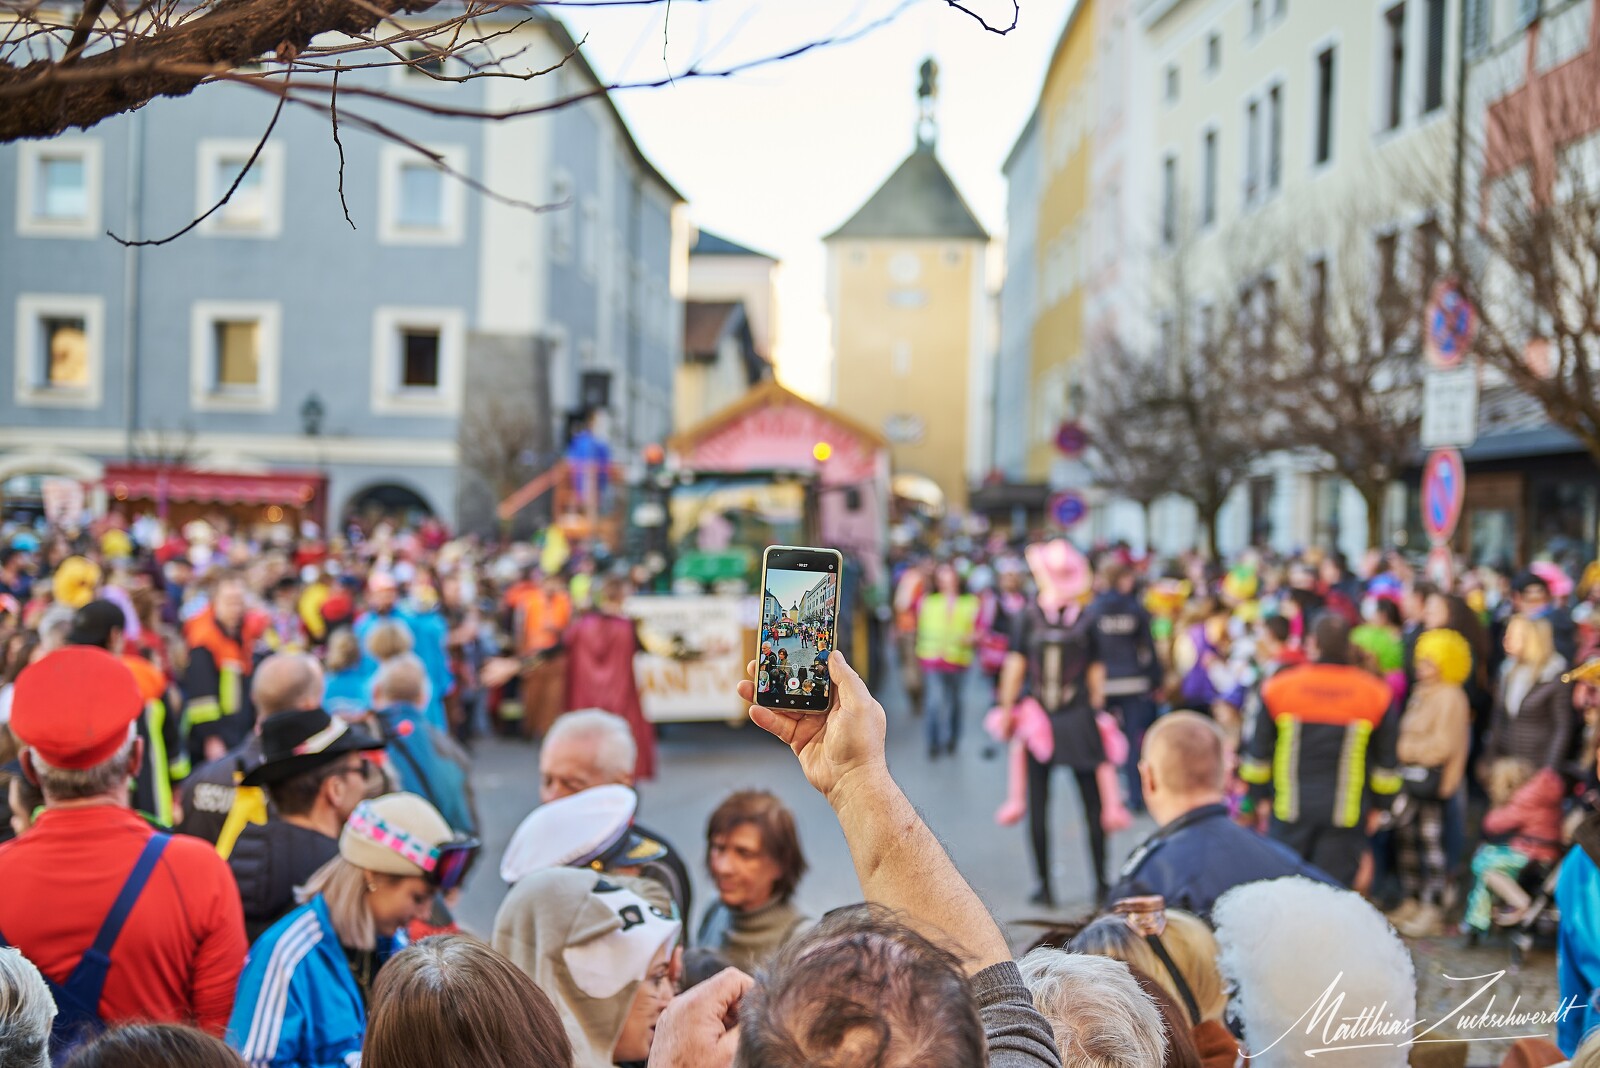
x,y
797,630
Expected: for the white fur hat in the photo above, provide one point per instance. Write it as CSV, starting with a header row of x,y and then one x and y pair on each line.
x,y
1292,945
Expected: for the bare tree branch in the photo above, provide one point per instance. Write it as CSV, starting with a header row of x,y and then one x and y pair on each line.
x,y
255,154
333,115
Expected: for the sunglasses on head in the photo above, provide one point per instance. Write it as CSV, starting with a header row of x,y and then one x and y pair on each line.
x,y
452,863
444,865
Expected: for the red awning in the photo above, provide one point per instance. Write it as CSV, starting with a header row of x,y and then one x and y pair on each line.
x,y
293,489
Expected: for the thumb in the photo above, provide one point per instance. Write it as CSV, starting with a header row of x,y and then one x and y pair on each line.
x,y
849,684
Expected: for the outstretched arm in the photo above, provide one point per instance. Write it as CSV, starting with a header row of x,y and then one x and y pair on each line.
x,y
898,860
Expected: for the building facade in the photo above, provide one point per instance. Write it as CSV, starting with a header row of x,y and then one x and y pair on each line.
x,y
276,336
721,270
909,310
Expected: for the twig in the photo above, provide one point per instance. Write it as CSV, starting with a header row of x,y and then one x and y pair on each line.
x,y
251,162
333,113
80,33
1016,13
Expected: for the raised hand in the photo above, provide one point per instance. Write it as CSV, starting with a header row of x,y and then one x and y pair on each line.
x,y
839,748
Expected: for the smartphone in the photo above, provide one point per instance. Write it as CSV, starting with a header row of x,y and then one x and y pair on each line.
x,y
799,627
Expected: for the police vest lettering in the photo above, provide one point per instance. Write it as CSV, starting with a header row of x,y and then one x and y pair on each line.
x,y
1121,625
212,797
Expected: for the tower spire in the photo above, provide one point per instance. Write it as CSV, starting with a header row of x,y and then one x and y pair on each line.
x,y
927,106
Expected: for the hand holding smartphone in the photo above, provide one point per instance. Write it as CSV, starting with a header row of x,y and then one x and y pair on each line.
x,y
799,627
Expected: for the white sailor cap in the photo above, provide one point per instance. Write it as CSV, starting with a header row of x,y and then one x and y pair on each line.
x,y
589,829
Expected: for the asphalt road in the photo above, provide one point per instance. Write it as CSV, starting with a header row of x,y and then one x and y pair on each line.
x,y
701,763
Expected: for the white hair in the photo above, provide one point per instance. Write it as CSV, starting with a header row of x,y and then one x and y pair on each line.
x,y
26,1013
403,678
618,753
71,784
1101,1017
1286,943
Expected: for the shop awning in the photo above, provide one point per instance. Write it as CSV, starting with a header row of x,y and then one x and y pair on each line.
x,y
291,489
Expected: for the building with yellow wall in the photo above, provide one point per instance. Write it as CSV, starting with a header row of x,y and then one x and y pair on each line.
x,y
1062,243
907,297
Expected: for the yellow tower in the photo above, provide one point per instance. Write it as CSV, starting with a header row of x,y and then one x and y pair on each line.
x,y
907,296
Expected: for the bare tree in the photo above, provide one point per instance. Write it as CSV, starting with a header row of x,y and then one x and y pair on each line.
x,y
1188,404
1338,335
1528,257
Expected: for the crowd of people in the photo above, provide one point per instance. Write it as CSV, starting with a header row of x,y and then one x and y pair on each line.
x,y
241,810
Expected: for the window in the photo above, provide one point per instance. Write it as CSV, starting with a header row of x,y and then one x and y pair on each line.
x,y
1258,16
58,188
418,202
423,66
1389,297
1208,179
589,238
900,359
1275,138
1252,152
419,357
256,207
1394,21
1433,86
1325,89
563,217
1428,238
1169,201
234,356
1172,83
59,343
1477,16
416,360
1214,53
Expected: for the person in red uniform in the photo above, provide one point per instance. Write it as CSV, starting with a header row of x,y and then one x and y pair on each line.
x,y
600,645
162,911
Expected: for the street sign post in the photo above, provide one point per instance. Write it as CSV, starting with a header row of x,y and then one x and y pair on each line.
x,y
1450,408
1441,567
1444,483
1068,509
1452,324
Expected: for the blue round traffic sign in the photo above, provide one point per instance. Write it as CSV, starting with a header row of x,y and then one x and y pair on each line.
x,y
1069,508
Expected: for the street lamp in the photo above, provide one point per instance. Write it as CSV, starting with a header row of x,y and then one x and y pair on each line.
x,y
311,413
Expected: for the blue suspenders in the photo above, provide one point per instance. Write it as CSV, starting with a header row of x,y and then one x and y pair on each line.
x,y
78,999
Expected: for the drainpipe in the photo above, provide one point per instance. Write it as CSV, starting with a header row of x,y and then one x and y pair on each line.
x,y
130,281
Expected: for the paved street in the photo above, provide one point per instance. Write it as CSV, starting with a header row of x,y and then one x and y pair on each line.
x,y
702,762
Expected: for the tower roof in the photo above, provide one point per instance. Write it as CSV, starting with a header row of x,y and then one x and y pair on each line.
x,y
918,200
710,244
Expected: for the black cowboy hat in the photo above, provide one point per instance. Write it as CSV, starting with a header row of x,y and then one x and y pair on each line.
x,y
303,740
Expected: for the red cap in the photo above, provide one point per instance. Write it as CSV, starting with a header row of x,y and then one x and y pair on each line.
x,y
74,706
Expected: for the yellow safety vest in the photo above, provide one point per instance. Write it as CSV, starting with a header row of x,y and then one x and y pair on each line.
x,y
942,630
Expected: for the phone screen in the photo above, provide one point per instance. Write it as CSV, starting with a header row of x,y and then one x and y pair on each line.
x,y
799,617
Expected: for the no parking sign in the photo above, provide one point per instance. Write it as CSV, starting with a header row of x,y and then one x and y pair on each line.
x,y
1069,508
1444,485
1452,324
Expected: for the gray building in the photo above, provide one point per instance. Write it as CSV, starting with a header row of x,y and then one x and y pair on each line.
x,y
430,358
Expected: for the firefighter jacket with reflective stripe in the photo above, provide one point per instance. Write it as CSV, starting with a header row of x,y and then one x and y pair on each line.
x,y
1323,735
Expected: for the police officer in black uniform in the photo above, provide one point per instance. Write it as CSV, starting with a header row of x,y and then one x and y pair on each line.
x,y
1199,853
1120,629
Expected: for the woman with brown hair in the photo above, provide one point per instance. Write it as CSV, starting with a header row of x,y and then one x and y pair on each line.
x,y
453,1002
155,1046
753,852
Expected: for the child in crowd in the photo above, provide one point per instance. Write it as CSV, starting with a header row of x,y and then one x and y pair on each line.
x,y
1523,828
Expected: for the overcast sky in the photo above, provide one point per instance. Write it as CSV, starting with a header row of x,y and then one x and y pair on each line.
x,y
776,157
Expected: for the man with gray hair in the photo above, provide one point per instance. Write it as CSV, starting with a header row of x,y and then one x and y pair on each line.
x,y
1101,1017
281,683
592,747
140,925
26,1012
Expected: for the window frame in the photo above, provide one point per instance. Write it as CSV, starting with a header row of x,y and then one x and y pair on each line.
x,y
1171,84
269,165
388,396
204,396
1393,58
1213,60
390,161
1435,64
1169,200
1325,127
1210,173
29,155
31,309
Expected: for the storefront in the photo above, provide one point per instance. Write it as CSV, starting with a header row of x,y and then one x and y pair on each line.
x,y
1532,492
243,500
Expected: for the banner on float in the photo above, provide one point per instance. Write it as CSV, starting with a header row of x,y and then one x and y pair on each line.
x,y
695,652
